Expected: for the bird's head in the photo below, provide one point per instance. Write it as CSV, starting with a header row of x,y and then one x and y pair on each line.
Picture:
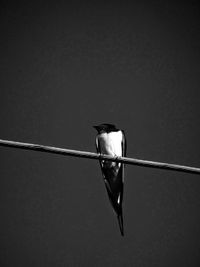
x,y
105,127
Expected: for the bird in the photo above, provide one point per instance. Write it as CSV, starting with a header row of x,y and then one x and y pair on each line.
x,y
112,141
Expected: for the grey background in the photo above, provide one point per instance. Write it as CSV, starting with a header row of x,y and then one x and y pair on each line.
x,y
65,67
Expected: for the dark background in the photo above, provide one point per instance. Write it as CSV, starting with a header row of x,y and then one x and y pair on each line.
x,y
65,67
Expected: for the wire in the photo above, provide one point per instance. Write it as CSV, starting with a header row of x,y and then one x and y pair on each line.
x,y
91,155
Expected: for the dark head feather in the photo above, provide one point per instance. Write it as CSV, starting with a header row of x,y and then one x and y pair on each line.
x,y
105,127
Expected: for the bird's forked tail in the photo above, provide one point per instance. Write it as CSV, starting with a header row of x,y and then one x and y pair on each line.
x,y
120,221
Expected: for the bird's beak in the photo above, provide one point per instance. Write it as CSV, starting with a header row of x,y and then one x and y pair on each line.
x,y
95,127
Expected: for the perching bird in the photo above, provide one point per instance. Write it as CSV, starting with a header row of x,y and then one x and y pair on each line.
x,y
111,141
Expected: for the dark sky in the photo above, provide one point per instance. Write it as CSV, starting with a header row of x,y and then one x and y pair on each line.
x,y
65,67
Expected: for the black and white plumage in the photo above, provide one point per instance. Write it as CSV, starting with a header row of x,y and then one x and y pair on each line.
x,y
111,141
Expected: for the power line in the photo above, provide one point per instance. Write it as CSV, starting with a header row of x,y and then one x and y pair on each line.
x,y
91,155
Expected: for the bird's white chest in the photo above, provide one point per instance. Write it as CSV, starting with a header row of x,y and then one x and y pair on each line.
x,y
111,143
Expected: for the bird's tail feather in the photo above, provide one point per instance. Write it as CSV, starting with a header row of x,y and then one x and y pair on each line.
x,y
121,225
